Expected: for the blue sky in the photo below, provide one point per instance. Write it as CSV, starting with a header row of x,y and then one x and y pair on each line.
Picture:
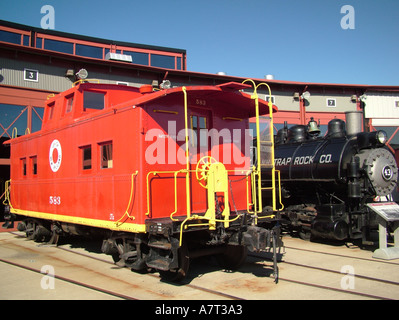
x,y
291,39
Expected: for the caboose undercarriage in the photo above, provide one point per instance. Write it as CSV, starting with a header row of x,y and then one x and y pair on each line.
x,y
165,247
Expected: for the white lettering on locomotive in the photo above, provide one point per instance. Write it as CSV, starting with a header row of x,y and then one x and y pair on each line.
x,y
282,161
326,158
303,160
298,161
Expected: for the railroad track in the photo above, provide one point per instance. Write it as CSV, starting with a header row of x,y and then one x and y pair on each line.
x,y
214,292
71,281
358,277
251,281
343,255
210,293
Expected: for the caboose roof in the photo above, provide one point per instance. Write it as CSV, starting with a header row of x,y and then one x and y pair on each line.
x,y
227,95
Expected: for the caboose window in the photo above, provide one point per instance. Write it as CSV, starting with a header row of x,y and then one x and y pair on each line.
x,y
33,161
23,166
68,104
86,157
93,100
199,132
106,155
51,110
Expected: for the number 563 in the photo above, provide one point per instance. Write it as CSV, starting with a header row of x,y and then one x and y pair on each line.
x,y
55,200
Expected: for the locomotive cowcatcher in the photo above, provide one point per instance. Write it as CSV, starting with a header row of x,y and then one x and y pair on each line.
x,y
162,174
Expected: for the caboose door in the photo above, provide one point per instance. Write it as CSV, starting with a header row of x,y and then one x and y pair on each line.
x,y
200,146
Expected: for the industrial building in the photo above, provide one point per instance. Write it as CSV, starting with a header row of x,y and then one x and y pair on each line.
x,y
36,63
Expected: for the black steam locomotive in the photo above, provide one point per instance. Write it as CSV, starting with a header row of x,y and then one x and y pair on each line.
x,y
327,181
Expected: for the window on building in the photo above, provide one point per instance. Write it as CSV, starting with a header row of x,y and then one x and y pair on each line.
x,y
106,155
10,37
37,118
11,117
59,46
93,100
138,57
89,51
39,43
26,40
161,61
179,66
86,157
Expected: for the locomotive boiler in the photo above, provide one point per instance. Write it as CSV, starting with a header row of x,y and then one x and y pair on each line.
x,y
327,181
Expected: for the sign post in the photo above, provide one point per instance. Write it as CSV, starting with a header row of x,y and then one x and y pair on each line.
x,y
387,212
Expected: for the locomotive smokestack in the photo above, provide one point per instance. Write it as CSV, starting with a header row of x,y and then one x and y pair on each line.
x,y
354,121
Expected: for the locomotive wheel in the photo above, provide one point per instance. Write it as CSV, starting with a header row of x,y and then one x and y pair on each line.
x,y
181,272
202,169
305,234
233,257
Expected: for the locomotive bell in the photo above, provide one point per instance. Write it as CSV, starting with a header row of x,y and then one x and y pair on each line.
x,y
313,128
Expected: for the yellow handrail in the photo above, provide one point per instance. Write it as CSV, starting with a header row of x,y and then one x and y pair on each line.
x,y
16,133
84,80
7,191
196,217
130,201
188,198
175,179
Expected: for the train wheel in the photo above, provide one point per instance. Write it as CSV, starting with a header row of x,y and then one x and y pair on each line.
x,y
56,231
36,231
305,234
233,257
126,254
181,272
30,227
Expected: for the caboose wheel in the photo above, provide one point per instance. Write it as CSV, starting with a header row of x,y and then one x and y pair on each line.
x,y
202,168
126,253
30,227
233,257
181,272
36,231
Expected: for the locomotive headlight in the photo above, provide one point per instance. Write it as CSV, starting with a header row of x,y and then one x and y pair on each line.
x,y
381,137
371,139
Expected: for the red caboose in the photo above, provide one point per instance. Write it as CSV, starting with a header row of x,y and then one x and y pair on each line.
x,y
163,175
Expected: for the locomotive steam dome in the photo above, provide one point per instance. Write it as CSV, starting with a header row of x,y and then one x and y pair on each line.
x,y
381,169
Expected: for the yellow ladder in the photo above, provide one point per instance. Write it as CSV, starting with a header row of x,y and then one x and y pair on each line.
x,y
267,145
